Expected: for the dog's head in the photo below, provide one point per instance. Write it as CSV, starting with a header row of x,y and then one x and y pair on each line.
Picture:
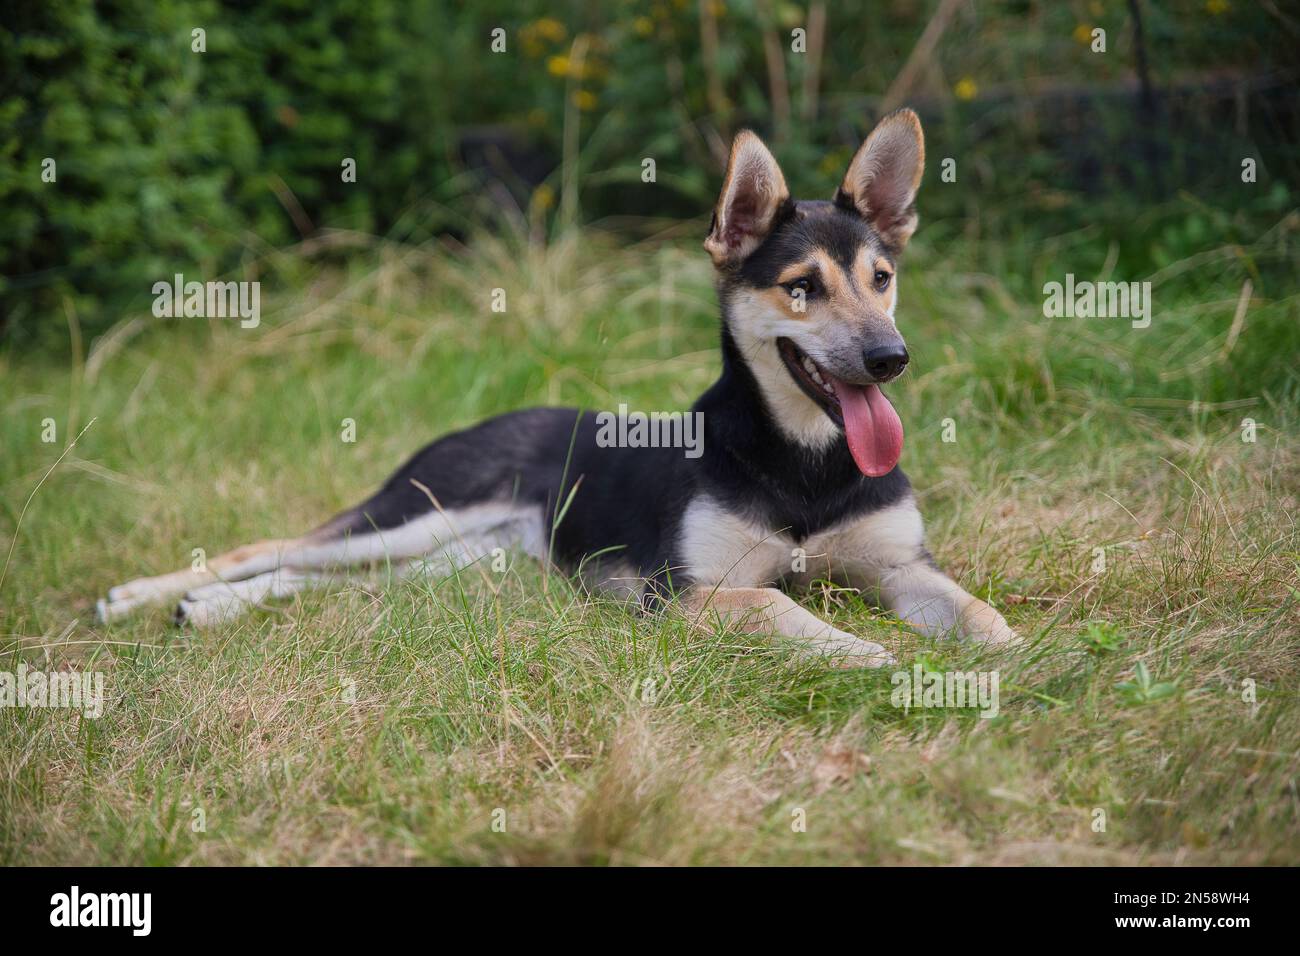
x,y
809,288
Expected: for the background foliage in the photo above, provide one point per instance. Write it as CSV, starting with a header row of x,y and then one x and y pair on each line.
x,y
175,161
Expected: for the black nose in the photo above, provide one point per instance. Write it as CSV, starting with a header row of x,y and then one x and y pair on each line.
x,y
886,362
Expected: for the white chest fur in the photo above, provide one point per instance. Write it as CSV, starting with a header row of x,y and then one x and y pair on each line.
x,y
720,548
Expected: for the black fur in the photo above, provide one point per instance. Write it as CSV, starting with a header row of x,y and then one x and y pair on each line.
x,y
801,227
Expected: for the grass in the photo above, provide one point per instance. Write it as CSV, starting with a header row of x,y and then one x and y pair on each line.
x,y
436,721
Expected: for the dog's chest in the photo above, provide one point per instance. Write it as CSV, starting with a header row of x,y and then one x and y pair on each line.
x,y
718,547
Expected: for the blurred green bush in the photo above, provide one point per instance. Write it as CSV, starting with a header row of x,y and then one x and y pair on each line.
x,y
170,160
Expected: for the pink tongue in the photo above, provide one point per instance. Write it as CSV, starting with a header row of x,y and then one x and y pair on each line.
x,y
872,427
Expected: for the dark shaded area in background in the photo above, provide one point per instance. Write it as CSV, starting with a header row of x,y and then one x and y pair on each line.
x,y
171,160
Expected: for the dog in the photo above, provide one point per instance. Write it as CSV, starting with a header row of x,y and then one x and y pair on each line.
x,y
798,479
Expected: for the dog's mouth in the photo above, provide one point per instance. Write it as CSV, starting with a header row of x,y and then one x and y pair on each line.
x,y
871,426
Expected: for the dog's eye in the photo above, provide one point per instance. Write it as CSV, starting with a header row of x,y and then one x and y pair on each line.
x,y
882,280
804,285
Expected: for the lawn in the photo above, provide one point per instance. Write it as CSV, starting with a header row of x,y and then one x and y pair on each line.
x,y
1096,482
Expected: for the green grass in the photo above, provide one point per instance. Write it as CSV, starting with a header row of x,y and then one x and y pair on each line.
x,y
388,724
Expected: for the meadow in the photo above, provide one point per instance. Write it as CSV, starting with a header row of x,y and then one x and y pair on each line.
x,y
1126,496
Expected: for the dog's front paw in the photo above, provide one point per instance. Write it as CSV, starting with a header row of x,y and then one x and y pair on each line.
x,y
844,650
982,623
875,657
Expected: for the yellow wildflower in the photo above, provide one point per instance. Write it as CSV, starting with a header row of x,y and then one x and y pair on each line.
x,y
558,65
965,88
834,162
551,28
585,100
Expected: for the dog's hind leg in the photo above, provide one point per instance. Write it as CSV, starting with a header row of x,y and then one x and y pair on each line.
x,y
211,604
438,542
223,600
234,565
493,479
246,561
450,539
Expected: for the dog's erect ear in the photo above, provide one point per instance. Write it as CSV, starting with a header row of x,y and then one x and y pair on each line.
x,y
752,194
884,175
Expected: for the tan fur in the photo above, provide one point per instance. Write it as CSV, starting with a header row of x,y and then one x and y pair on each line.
x,y
782,301
851,300
165,587
768,317
768,611
865,268
437,539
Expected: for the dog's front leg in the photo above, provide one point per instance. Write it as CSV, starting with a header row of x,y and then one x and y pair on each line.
x,y
767,611
934,604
